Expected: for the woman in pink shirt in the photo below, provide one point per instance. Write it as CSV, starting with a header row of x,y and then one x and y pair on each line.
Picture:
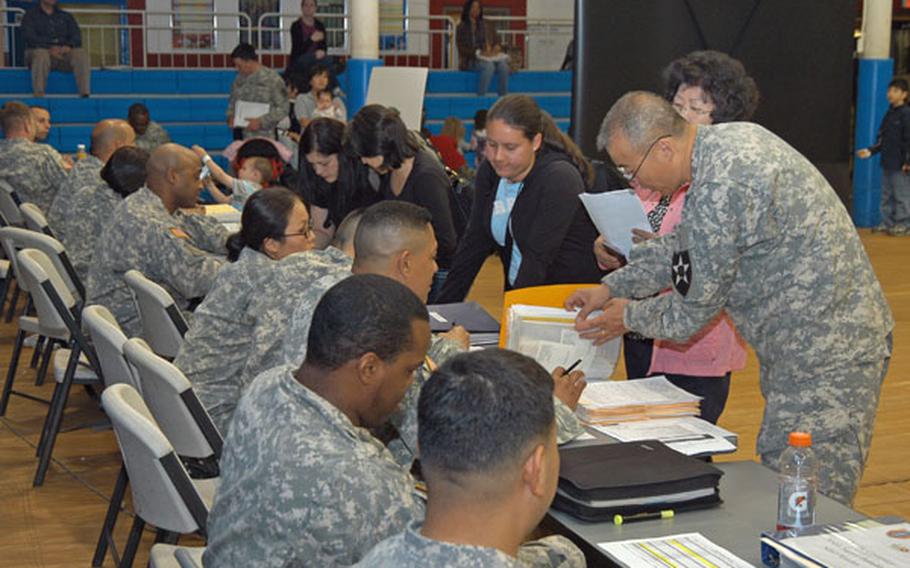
x,y
705,87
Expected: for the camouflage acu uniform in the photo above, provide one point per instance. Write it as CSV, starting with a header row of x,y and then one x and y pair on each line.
x,y
301,485
221,335
85,172
298,280
153,137
34,171
90,211
411,548
179,252
262,86
764,237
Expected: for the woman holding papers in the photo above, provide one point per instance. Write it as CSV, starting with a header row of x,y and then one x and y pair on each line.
x,y
705,87
526,205
333,182
274,224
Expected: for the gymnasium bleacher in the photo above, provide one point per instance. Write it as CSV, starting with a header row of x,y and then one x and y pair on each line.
x,y
191,104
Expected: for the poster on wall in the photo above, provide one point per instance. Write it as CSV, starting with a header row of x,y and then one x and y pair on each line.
x,y
194,24
392,30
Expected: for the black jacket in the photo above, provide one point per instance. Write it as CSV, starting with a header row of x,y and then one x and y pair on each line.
x,y
549,223
894,138
300,44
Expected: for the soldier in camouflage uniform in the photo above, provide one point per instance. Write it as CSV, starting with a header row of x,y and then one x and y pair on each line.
x,y
33,170
107,137
147,233
275,224
764,237
395,239
256,83
499,484
149,134
92,206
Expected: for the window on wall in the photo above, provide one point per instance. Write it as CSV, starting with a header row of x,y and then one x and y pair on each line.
x,y
393,25
194,24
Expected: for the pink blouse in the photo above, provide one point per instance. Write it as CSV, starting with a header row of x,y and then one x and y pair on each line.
x,y
717,348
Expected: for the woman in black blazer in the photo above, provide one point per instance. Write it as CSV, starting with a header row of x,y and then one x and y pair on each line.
x,y
526,205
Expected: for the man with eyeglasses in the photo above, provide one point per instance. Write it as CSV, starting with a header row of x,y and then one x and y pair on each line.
x,y
764,237
148,232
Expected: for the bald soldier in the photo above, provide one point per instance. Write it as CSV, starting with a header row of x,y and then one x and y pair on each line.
x,y
764,237
149,233
33,170
107,137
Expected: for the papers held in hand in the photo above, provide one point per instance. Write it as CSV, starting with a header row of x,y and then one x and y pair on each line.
x,y
548,335
615,214
245,110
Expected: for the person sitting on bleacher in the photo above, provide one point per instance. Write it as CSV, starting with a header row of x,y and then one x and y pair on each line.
x,y
107,137
92,205
256,83
148,233
149,134
53,42
33,170
489,458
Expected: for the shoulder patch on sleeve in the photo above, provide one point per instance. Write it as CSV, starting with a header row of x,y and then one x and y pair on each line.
x,y
682,272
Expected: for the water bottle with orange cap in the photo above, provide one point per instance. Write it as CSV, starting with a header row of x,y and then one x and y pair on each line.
x,y
798,479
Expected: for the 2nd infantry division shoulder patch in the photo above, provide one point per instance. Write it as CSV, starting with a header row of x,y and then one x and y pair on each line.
x,y
682,272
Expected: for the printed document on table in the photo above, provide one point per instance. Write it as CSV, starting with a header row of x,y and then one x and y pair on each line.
x,y
689,550
884,546
638,392
615,214
245,110
687,435
548,336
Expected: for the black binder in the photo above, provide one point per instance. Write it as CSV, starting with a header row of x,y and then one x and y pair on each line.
x,y
469,315
599,481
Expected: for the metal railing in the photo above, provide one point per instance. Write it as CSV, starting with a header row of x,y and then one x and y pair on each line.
x,y
132,36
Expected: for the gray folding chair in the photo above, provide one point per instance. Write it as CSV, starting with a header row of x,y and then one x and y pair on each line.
x,y
163,326
163,493
57,309
35,220
10,216
108,340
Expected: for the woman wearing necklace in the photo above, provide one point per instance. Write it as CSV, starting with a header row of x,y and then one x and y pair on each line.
x,y
526,205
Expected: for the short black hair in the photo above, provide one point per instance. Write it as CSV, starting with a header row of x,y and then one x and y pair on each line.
x,y
137,109
383,220
379,131
365,313
125,170
244,51
900,83
481,410
723,78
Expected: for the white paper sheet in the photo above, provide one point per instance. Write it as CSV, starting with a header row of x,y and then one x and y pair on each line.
x,y
879,547
653,390
689,550
687,435
615,214
245,110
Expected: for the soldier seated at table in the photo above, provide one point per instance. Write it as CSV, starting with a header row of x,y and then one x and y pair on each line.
x,y
488,453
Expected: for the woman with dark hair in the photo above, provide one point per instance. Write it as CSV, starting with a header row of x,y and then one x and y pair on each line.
x,y
331,181
274,224
410,172
526,205
91,207
705,87
479,49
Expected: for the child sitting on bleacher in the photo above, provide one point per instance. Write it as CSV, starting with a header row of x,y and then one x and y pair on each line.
x,y
327,107
254,174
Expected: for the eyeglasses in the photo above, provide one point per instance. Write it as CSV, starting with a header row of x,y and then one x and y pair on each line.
x,y
306,233
630,175
684,109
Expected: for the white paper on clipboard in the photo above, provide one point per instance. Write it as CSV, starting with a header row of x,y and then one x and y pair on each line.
x,y
245,110
615,214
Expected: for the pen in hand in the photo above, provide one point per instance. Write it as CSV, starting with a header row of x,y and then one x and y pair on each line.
x,y
572,366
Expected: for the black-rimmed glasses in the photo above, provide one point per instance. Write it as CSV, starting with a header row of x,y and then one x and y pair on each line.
x,y
630,175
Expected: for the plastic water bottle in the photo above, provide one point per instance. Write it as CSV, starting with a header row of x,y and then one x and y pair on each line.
x,y
80,152
798,478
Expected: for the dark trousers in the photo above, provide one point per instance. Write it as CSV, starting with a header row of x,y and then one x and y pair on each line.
x,y
713,390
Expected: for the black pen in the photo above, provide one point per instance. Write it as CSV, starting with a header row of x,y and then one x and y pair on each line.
x,y
620,519
572,366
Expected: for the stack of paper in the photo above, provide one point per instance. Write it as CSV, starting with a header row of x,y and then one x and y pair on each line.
x,y
223,213
615,214
609,402
548,335
687,435
863,544
689,549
